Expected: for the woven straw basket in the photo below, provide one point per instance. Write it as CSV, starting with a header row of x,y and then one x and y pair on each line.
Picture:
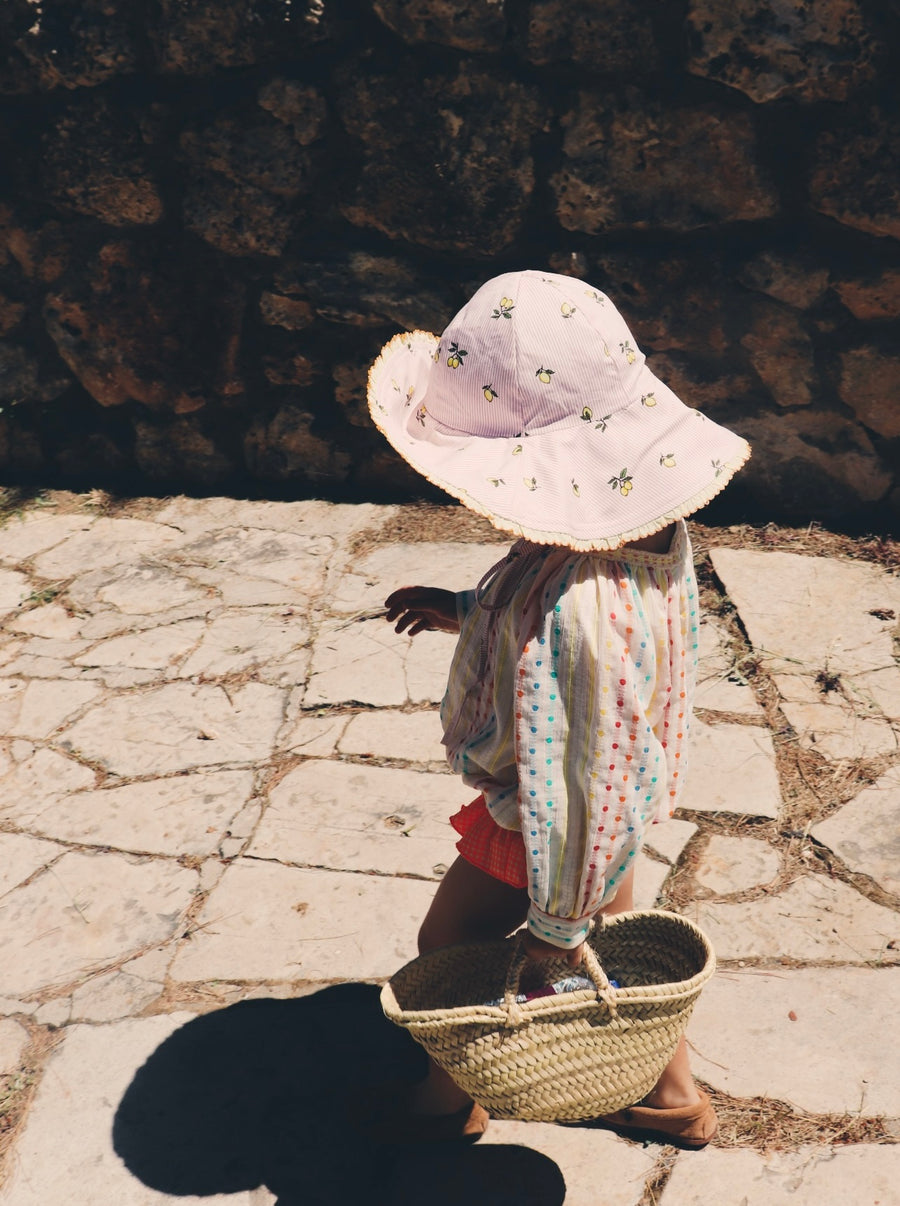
x,y
566,1057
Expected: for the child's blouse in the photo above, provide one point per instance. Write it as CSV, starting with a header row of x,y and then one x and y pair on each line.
x,y
568,706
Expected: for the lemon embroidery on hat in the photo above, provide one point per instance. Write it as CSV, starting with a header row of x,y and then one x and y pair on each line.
x,y
628,351
576,489
496,481
597,297
420,414
410,390
544,374
454,360
489,393
437,354
503,310
588,415
668,460
530,483
517,450
567,311
648,399
718,466
623,482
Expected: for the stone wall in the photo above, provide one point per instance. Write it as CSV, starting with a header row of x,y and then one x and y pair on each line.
x,y
213,213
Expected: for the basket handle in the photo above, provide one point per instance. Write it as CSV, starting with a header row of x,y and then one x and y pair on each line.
x,y
589,961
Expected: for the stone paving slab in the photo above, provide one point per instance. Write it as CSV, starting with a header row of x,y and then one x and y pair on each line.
x,y
597,1166
365,662
102,543
864,1175
387,733
264,921
866,832
367,583
178,727
35,778
13,1041
814,918
361,818
73,1115
731,768
26,535
719,682
831,1057
185,815
35,709
736,864
22,855
86,911
207,730
834,724
803,612
670,838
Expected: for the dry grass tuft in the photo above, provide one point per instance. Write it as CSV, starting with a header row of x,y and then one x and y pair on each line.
x,y
767,1125
17,1089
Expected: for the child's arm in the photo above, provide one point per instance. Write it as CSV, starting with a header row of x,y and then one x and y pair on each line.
x,y
422,609
591,774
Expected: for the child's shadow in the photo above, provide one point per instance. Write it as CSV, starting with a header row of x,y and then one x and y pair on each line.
x,y
258,1094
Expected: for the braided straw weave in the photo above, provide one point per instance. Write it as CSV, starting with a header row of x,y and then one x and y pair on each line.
x,y
565,1057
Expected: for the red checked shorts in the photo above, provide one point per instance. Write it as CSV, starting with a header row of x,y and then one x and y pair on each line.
x,y
485,844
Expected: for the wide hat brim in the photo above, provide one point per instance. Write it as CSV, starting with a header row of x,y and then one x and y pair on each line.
x,y
589,481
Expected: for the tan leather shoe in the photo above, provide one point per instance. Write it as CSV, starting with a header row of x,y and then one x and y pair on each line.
x,y
688,1126
385,1115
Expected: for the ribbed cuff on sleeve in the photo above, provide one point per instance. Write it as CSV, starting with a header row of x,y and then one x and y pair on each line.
x,y
563,932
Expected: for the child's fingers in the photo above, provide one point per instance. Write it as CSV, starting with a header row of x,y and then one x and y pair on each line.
x,y
406,594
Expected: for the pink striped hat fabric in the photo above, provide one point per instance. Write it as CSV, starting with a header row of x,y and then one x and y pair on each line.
x,y
536,409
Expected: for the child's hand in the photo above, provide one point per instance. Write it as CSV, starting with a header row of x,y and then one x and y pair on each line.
x,y
536,949
422,609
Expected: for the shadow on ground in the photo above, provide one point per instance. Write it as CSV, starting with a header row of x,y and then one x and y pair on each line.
x,y
257,1094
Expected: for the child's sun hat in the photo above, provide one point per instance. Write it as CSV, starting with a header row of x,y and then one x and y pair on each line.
x,y
536,409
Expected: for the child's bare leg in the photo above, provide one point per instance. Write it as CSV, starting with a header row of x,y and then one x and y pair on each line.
x,y
675,1086
469,906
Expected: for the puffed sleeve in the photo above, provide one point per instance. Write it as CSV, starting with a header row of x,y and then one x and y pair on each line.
x,y
592,771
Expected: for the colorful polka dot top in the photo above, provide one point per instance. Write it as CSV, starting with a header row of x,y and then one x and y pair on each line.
x,y
568,706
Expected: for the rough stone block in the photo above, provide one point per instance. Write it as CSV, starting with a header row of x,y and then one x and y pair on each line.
x,y
817,51
632,163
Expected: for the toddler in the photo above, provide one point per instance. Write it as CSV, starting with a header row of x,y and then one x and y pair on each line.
x,y
569,698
